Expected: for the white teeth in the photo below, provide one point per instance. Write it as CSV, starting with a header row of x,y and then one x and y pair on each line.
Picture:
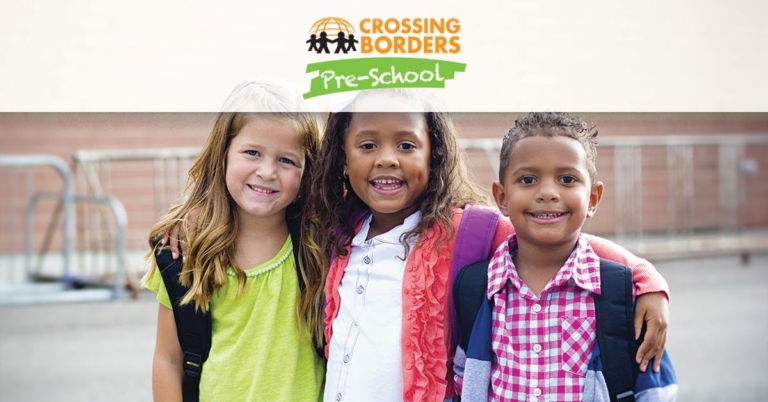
x,y
260,190
547,216
387,184
387,181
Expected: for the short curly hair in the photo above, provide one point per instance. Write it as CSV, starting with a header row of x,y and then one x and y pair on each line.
x,y
550,124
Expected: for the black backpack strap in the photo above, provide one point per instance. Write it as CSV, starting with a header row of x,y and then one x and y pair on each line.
x,y
192,327
469,292
294,229
614,310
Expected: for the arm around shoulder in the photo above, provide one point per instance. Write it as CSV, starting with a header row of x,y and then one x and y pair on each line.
x,y
652,306
644,275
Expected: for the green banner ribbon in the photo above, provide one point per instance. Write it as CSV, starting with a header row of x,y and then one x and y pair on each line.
x,y
380,73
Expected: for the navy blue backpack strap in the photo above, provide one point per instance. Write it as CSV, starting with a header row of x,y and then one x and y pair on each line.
x,y
614,310
469,293
192,327
474,240
294,228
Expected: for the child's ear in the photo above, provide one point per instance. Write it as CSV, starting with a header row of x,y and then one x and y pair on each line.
x,y
500,196
594,198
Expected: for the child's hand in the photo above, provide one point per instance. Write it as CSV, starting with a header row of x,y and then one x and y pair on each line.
x,y
653,309
178,241
177,236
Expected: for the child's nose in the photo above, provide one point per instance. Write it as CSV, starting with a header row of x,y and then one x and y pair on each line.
x,y
387,158
548,192
266,170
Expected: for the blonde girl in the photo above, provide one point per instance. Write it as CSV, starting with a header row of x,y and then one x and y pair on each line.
x,y
246,189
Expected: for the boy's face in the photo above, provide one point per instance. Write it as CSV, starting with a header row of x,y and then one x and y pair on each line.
x,y
547,192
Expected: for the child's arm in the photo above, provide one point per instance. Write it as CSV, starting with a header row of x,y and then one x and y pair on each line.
x,y
652,306
167,374
645,276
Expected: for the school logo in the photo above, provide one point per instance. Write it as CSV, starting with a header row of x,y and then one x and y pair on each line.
x,y
399,46
332,30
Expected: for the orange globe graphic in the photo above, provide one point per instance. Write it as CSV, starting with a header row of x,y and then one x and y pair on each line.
x,y
332,26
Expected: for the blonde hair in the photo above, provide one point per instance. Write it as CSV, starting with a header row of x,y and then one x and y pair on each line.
x,y
207,216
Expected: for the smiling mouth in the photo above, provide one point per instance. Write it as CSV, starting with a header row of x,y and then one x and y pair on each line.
x,y
548,215
261,190
387,184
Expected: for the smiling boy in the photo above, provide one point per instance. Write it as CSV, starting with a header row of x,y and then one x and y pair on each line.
x,y
543,280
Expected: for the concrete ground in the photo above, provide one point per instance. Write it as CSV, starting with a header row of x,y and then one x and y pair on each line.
x,y
102,351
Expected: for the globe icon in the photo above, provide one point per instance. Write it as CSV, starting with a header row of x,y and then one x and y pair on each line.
x,y
332,26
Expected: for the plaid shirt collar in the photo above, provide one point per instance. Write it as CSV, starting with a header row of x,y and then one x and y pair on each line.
x,y
582,266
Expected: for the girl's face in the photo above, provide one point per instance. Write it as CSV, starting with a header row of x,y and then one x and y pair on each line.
x,y
388,158
265,162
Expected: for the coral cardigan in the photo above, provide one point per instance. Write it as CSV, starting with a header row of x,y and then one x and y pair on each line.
x,y
426,340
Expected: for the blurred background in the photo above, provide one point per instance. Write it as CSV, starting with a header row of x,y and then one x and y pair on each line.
x,y
80,191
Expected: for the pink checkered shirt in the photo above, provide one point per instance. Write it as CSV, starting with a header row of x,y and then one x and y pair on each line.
x,y
542,344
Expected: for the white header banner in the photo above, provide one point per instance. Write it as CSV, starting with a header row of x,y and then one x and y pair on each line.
x,y
493,56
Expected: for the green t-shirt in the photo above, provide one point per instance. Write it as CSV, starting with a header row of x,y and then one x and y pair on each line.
x,y
258,352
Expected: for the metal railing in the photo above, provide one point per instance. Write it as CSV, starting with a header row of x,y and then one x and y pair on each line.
x,y
31,282
95,173
170,167
680,162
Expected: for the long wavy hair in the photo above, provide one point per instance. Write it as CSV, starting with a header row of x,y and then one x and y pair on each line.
x,y
333,200
207,217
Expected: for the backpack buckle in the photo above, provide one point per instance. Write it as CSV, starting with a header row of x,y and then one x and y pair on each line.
x,y
193,364
627,396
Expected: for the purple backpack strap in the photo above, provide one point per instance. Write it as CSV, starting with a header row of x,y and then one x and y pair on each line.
x,y
473,244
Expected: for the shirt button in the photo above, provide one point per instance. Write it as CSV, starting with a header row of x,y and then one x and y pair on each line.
x,y
536,392
367,260
408,366
537,348
346,358
536,308
360,289
338,396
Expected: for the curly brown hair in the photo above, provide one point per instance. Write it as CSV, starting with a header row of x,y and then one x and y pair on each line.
x,y
332,199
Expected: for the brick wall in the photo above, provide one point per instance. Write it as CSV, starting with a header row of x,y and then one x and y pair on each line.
x,y
62,134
